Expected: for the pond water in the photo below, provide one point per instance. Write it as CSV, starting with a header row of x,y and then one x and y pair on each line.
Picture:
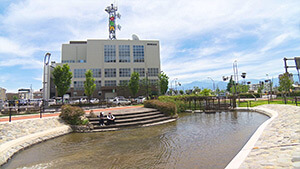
x,y
193,141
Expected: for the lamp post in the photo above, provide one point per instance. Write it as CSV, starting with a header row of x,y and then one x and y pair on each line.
x,y
147,85
171,86
45,82
244,82
46,74
213,82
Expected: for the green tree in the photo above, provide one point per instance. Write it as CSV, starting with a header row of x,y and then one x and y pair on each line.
x,y
89,84
62,77
134,83
206,92
181,92
196,90
145,86
285,84
260,88
163,82
230,84
15,98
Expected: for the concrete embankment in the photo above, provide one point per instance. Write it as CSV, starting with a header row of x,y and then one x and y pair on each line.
x,y
276,143
17,135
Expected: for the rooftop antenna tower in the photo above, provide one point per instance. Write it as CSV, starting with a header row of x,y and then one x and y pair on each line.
x,y
113,15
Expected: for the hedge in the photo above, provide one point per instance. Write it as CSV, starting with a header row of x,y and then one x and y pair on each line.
x,y
71,114
168,108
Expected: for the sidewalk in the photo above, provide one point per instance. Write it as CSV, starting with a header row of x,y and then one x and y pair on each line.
x,y
23,117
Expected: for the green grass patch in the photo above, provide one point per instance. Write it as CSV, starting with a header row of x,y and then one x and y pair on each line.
x,y
262,102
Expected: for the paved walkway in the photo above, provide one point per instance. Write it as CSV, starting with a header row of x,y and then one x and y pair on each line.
x,y
276,143
23,117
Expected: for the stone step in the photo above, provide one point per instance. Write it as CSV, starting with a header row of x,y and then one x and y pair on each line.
x,y
136,123
143,125
128,116
140,118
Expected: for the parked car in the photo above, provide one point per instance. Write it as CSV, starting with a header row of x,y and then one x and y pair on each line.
x,y
140,99
94,100
51,102
121,101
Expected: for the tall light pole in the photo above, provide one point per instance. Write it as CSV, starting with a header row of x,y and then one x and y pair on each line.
x,y
213,82
46,76
171,86
235,75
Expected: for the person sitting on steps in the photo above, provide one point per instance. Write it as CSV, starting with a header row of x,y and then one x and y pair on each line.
x,y
110,119
101,120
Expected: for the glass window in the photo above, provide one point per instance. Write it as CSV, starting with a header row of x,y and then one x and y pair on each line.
x,y
110,83
138,53
98,84
110,72
124,53
78,85
153,72
124,82
141,71
81,61
124,72
153,81
79,73
109,53
68,61
96,72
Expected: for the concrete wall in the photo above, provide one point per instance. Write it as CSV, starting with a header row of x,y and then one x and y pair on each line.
x,y
19,134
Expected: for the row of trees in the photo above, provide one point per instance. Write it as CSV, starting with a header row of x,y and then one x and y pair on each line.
x,y
62,77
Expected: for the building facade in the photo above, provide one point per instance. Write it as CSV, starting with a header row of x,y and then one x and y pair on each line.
x,y
112,63
2,94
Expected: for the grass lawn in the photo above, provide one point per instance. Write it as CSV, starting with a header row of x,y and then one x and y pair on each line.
x,y
262,102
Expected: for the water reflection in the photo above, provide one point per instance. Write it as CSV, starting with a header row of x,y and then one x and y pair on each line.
x,y
193,141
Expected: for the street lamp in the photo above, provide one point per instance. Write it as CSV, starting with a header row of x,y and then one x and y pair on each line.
x,y
46,74
171,86
213,82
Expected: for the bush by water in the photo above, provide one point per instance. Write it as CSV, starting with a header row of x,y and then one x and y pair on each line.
x,y
72,114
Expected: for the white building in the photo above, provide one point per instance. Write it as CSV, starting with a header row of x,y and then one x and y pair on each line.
x,y
2,94
112,63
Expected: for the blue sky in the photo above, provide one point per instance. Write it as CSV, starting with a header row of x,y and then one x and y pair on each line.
x,y
198,38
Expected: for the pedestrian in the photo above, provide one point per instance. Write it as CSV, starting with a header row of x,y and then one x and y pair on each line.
x,y
101,120
110,118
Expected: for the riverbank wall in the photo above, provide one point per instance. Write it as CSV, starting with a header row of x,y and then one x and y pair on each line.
x,y
276,143
17,135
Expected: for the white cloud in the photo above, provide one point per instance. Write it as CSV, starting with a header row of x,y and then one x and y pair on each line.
x,y
198,38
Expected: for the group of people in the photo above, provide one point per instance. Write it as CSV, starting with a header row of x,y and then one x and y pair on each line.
x,y
110,119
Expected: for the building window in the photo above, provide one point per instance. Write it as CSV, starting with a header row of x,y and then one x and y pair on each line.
x,y
109,53
124,53
68,61
153,72
81,61
78,85
124,82
110,83
124,72
138,53
141,71
79,73
110,72
153,81
96,72
98,84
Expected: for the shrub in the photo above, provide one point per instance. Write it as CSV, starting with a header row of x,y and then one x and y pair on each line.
x,y
249,95
177,100
85,121
71,114
168,108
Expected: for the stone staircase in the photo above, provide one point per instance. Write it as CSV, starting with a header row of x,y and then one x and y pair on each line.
x,y
139,117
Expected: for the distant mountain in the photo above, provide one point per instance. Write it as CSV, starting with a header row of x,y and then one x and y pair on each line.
x,y
221,84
